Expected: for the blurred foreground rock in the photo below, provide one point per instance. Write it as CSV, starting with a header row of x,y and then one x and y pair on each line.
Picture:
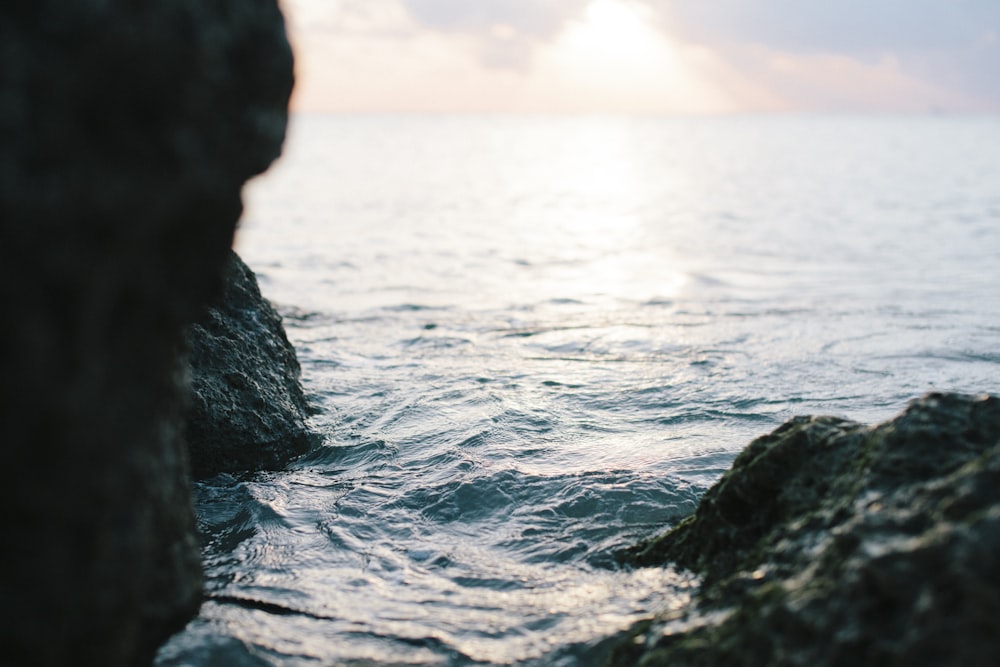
x,y
126,133
831,543
247,411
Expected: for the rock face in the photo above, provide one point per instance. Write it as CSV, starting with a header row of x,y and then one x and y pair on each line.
x,y
126,132
248,411
830,543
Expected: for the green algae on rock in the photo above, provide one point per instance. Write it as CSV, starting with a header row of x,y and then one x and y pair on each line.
x,y
832,543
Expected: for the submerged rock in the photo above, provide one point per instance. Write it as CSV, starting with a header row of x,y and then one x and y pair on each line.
x,y
247,410
127,130
831,543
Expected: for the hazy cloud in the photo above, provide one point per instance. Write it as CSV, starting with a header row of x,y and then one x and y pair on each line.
x,y
855,27
950,43
539,18
854,55
507,31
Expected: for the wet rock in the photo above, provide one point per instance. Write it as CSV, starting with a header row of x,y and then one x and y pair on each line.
x,y
831,543
126,133
247,410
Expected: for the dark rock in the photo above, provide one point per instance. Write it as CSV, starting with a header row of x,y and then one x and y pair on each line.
x,y
126,132
829,543
247,411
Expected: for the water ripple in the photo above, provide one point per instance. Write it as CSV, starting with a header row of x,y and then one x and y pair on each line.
x,y
522,362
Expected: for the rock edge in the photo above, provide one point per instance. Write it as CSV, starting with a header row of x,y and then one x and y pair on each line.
x,y
247,409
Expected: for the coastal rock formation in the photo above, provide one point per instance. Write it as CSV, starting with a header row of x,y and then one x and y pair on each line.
x,y
831,543
126,133
247,411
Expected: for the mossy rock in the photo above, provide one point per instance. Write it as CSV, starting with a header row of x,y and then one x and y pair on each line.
x,y
831,543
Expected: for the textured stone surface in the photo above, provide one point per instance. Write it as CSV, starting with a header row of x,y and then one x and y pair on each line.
x,y
247,410
830,543
126,132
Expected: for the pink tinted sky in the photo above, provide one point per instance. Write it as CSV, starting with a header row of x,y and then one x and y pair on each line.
x,y
646,56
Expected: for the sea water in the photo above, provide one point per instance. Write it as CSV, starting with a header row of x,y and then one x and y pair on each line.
x,y
532,341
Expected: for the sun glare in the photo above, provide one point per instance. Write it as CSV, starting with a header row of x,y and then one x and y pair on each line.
x,y
616,30
615,58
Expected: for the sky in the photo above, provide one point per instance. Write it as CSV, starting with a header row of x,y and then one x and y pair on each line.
x,y
645,56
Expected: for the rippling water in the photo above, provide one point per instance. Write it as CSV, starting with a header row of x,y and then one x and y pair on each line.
x,y
535,340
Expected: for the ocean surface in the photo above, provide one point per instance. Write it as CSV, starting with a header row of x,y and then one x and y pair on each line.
x,y
532,341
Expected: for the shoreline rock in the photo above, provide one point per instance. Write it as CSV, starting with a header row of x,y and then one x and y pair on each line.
x,y
247,410
832,543
127,131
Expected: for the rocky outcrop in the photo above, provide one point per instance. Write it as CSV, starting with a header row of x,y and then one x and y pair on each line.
x,y
831,543
126,132
247,410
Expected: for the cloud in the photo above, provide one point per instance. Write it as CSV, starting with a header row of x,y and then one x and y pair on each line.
x,y
849,27
498,34
507,32
946,45
538,18
756,55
